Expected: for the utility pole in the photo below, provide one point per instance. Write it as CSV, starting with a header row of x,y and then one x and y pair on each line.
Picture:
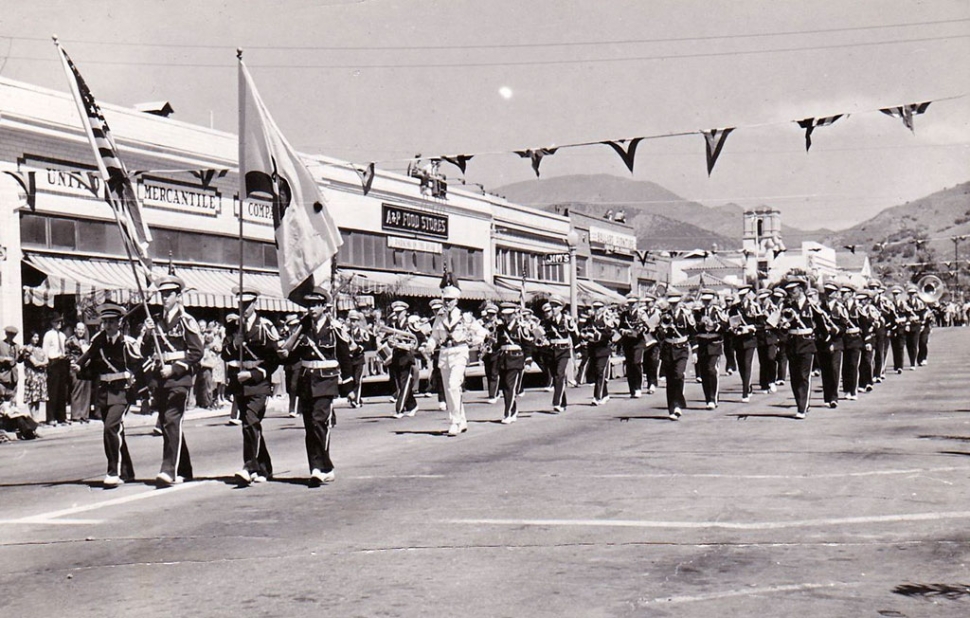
x,y
956,259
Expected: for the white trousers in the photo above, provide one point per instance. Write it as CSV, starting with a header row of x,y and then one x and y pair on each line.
x,y
452,362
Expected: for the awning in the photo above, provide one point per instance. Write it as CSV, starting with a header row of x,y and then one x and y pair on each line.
x,y
404,284
594,291
205,287
531,287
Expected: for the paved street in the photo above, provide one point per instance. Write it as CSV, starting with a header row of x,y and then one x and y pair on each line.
x,y
601,511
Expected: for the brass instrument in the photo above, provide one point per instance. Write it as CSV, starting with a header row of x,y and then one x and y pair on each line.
x,y
930,289
398,338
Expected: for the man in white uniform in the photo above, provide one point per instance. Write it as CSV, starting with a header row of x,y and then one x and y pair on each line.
x,y
453,334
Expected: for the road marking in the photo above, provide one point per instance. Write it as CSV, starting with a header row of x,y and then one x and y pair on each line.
x,y
770,476
53,517
55,522
715,596
725,525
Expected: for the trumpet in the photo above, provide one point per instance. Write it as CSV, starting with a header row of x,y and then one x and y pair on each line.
x,y
398,338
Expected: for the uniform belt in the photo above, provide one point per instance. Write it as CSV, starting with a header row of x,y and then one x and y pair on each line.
x,y
560,341
319,364
114,377
677,340
246,364
800,331
852,331
172,356
511,348
453,344
709,335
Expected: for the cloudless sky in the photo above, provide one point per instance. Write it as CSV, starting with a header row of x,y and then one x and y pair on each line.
x,y
382,80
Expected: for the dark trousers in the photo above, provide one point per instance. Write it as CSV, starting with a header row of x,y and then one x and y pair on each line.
x,y
599,369
318,420
708,365
633,357
866,364
58,389
405,378
912,343
767,365
923,349
203,388
511,366
851,359
880,350
651,365
560,358
800,357
256,459
115,444
830,364
781,362
675,359
490,361
730,355
899,350
171,402
745,357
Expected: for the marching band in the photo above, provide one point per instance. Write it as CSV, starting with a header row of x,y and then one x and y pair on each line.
x,y
842,334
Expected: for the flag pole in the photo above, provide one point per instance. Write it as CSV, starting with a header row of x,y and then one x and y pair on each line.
x,y
242,200
126,241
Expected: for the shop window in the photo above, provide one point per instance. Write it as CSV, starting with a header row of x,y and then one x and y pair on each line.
x,y
33,231
63,234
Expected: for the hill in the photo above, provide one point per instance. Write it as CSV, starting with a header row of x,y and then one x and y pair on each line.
x,y
890,237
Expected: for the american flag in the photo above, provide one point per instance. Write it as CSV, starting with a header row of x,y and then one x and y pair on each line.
x,y
120,193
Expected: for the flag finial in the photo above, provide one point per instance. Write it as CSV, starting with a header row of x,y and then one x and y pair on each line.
x,y
54,36
239,53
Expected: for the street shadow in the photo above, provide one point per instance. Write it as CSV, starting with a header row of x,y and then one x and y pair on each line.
x,y
646,417
79,482
964,453
743,416
225,480
950,592
936,437
438,433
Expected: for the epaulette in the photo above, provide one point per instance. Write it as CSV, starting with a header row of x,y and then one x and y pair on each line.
x,y
270,329
191,324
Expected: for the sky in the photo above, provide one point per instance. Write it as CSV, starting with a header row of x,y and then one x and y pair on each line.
x,y
383,80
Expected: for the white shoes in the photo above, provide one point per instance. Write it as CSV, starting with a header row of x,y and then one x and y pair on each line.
x,y
549,389
508,420
651,390
637,394
411,412
399,415
675,415
799,415
163,479
243,477
772,388
492,401
232,421
257,478
453,430
746,399
318,478
443,406
711,405
111,480
557,409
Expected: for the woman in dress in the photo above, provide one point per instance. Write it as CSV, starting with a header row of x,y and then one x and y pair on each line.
x,y
35,372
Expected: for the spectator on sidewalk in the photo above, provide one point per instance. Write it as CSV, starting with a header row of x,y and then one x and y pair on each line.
x,y
58,371
35,376
81,389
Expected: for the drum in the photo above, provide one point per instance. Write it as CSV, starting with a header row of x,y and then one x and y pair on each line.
x,y
384,354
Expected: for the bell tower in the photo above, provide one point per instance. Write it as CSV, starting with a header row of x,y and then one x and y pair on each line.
x,y
761,242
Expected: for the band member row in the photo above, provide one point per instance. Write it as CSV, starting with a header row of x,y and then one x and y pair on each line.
x,y
561,333
677,329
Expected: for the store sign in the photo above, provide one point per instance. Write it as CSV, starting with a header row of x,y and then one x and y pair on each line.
x,y
65,177
411,244
167,194
611,240
407,220
556,258
254,211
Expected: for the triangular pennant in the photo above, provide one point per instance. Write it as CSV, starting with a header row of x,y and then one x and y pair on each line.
x,y
626,154
460,161
715,142
642,257
206,176
366,176
536,156
809,125
906,112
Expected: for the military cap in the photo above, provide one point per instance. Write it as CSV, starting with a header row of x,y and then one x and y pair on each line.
x,y
111,311
778,293
674,296
11,330
795,282
246,293
649,298
912,289
399,305
830,287
706,294
491,308
414,319
316,297
896,289
170,283
547,306
353,314
508,307
597,304
764,293
450,292
436,303
630,298
555,300
847,289
743,289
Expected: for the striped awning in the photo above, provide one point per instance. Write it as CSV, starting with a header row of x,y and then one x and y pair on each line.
x,y
404,284
591,290
204,287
